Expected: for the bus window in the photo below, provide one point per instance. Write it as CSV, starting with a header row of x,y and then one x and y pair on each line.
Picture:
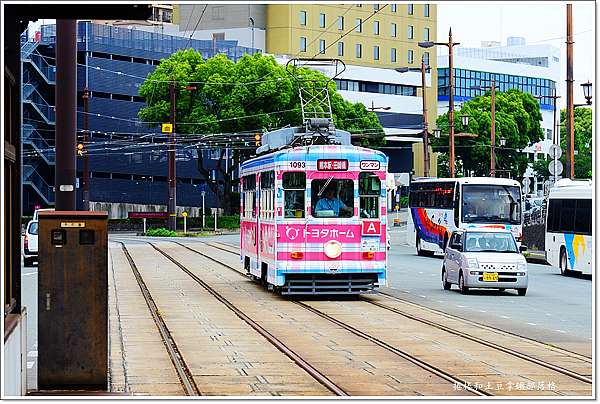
x,y
294,187
491,204
369,189
332,197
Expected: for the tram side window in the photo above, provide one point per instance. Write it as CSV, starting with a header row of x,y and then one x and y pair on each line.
x,y
332,197
369,189
249,191
267,195
294,190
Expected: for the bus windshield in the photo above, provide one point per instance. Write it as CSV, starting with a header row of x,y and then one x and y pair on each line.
x,y
491,204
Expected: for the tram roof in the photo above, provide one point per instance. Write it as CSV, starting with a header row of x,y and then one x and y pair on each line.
x,y
315,152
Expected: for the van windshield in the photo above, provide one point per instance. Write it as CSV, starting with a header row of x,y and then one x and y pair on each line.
x,y
33,228
490,242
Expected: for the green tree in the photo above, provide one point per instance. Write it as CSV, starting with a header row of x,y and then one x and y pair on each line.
x,y
518,120
252,95
582,118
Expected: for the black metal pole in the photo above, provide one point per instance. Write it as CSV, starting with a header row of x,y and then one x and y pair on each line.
x,y
86,156
66,118
172,203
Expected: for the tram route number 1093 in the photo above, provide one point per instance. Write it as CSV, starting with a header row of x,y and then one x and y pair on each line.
x,y
297,164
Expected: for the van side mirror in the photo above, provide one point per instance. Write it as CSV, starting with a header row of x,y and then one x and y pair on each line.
x,y
523,248
457,247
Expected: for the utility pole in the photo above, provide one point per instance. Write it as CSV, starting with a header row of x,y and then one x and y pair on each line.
x,y
172,203
570,107
425,124
493,130
451,102
86,157
66,118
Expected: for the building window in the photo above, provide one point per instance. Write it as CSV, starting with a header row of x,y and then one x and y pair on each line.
x,y
302,44
217,13
359,5
376,6
322,20
549,134
410,32
376,52
394,8
302,17
410,56
321,45
340,49
359,25
341,22
426,58
393,55
410,9
394,30
376,27
426,10
426,34
358,51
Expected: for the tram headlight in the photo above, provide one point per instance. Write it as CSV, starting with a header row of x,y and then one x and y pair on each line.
x,y
333,249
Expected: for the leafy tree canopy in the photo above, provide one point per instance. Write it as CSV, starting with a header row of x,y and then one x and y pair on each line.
x,y
518,120
582,118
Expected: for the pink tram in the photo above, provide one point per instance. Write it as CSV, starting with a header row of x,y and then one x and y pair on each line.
x,y
313,219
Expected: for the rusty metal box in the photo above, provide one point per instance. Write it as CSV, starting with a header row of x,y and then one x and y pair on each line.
x,y
73,300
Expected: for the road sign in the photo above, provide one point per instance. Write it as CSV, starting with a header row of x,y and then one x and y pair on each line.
x,y
555,151
167,128
526,182
184,214
555,167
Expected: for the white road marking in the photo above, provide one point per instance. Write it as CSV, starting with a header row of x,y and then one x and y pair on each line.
x,y
532,323
423,296
482,311
564,332
458,305
30,365
548,314
505,316
32,354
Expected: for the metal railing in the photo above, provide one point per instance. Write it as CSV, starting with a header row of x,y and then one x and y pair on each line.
x,y
35,180
38,102
32,137
46,70
27,48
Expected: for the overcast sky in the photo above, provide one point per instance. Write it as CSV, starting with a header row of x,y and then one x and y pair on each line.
x,y
538,22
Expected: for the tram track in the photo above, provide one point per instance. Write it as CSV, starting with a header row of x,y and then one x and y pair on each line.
x,y
183,372
442,327
566,352
296,358
416,361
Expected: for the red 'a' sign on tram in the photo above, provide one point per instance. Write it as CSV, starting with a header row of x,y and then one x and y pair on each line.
x,y
332,165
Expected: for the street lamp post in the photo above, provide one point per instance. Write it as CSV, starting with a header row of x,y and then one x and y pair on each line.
x,y
423,70
450,46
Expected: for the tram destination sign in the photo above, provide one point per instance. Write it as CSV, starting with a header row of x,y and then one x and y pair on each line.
x,y
332,165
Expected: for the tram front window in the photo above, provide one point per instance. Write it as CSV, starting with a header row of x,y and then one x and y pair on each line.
x,y
332,197
294,187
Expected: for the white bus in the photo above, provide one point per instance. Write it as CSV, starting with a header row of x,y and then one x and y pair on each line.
x,y
568,241
439,206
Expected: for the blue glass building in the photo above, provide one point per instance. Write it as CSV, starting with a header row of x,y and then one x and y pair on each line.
x,y
127,164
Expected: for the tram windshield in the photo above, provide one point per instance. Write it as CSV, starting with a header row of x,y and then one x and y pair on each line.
x,y
332,197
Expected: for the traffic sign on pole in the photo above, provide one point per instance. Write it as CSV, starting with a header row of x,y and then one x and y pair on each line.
x,y
555,167
555,151
167,128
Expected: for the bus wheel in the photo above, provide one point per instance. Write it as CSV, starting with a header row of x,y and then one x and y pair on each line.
x,y
420,251
563,263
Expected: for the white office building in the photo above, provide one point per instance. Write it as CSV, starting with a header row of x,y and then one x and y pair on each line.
x,y
531,68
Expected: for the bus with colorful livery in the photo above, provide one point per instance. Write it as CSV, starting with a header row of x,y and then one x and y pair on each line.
x,y
313,216
568,241
438,206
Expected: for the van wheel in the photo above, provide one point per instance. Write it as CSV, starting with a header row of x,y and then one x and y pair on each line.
x,y
447,285
461,284
563,262
522,292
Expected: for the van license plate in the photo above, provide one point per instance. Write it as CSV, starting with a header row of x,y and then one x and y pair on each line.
x,y
490,277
